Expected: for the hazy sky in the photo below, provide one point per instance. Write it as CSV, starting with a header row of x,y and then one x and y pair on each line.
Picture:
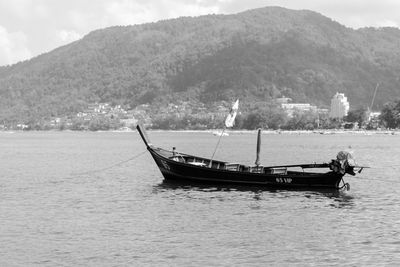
x,y
31,27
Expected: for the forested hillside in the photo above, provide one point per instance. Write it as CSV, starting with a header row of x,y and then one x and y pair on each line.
x,y
256,56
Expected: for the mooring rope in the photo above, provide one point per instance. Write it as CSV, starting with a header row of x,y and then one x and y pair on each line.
x,y
111,166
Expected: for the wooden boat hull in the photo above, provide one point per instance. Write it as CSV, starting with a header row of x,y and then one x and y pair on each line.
x,y
173,170
183,167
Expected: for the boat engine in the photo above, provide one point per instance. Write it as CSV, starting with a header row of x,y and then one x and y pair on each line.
x,y
344,163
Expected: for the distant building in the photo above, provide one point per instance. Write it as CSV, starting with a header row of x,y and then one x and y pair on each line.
x,y
283,100
339,106
323,111
373,116
130,123
22,126
290,108
373,119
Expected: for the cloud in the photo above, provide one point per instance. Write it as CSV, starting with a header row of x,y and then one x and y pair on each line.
x,y
125,12
66,36
129,12
14,47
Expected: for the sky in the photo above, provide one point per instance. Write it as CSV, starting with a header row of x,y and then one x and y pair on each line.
x,y
29,28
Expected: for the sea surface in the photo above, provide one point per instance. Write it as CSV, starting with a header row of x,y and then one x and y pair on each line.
x,y
96,199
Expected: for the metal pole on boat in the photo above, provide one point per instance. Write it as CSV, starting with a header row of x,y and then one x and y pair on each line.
x,y
258,147
215,150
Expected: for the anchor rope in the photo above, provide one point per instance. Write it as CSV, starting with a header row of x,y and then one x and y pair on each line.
x,y
111,166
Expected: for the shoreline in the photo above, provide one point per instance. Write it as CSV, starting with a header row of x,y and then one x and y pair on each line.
x,y
322,132
216,131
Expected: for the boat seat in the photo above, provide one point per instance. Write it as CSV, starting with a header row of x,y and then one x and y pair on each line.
x,y
256,169
178,158
232,166
201,164
276,170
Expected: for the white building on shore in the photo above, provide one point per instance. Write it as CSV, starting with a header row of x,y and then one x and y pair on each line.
x,y
339,106
290,108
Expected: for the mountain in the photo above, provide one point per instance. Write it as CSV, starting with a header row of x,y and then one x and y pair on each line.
x,y
256,56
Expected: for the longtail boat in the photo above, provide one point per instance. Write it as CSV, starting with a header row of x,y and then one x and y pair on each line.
x,y
188,168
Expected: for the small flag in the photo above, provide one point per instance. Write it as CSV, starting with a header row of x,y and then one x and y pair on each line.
x,y
230,119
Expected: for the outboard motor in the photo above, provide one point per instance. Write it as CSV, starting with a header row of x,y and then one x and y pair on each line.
x,y
344,163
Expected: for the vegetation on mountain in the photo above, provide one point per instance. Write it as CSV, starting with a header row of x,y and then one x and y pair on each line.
x,y
391,115
257,56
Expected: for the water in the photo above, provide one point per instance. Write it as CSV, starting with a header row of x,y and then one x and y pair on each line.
x,y
56,210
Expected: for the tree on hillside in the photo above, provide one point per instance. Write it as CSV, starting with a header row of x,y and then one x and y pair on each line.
x,y
390,115
302,121
358,115
267,117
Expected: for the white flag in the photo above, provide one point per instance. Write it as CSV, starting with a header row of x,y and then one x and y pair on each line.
x,y
230,119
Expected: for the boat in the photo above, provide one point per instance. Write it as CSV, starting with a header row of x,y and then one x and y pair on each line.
x,y
177,166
